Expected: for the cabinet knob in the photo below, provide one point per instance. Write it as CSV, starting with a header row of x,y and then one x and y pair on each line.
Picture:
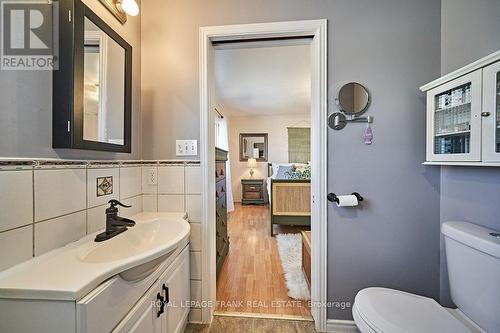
x,y
485,114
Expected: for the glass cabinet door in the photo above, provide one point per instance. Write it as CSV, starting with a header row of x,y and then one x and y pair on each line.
x,y
491,113
454,124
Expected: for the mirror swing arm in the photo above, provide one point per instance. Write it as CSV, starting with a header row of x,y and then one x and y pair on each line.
x,y
339,120
68,82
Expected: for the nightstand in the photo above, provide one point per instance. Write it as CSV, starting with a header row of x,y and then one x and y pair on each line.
x,y
253,191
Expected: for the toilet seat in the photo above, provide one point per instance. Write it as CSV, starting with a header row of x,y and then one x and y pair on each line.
x,y
381,310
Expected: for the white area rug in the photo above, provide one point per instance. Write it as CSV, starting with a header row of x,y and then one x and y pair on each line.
x,y
290,250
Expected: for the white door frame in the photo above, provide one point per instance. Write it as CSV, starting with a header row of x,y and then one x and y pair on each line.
x,y
317,29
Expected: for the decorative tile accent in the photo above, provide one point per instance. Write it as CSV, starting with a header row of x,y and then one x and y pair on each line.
x,y
171,162
104,186
103,164
60,164
17,165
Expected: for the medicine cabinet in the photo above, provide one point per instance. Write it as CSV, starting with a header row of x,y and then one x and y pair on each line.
x,y
463,115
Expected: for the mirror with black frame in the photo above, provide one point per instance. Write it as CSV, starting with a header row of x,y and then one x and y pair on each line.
x,y
94,79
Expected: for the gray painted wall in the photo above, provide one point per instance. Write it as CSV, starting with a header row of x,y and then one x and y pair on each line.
x,y
26,105
391,46
470,30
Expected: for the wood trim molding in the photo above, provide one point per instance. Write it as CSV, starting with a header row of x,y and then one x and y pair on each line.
x,y
207,35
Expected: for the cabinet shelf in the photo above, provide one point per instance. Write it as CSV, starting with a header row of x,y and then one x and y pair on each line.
x,y
451,133
451,107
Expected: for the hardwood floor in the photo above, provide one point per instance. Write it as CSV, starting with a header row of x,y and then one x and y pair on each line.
x,y
251,279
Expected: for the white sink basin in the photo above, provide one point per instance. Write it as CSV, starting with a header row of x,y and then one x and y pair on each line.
x,y
144,237
71,272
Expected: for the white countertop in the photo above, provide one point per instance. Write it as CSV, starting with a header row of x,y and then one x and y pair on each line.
x,y
61,274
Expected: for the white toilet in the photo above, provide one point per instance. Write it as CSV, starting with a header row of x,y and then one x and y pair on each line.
x,y
473,256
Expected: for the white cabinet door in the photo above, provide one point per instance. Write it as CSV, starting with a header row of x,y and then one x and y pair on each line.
x,y
175,286
143,318
454,120
491,113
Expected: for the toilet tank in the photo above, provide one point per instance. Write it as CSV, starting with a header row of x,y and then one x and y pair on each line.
x,y
473,259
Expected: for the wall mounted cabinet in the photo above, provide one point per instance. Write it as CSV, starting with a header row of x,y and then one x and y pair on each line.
x,y
463,115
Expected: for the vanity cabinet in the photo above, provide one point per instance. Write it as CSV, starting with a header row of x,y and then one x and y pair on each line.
x,y
463,115
158,303
165,307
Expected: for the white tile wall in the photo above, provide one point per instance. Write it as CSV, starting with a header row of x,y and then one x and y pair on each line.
x,y
66,207
135,202
193,179
16,246
59,192
96,219
171,179
93,200
58,232
16,199
171,203
195,265
130,182
193,207
195,236
49,206
150,202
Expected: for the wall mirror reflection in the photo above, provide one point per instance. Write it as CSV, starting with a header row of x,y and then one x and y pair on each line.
x,y
92,97
353,98
104,87
253,146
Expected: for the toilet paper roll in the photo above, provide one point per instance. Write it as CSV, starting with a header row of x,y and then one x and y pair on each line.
x,y
347,201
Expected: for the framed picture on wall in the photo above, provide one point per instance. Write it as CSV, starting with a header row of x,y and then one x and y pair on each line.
x,y
253,145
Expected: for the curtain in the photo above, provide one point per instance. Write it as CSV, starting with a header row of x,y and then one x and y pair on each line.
x,y
222,142
299,144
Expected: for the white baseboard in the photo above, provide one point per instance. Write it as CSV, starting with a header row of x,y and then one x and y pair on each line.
x,y
341,326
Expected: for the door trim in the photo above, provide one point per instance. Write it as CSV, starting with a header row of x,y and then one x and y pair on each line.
x,y
207,35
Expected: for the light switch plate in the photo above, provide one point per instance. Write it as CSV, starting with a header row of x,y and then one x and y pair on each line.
x,y
186,147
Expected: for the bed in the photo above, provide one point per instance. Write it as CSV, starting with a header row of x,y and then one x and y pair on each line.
x,y
289,199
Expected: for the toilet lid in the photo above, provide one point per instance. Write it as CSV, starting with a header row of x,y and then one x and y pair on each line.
x,y
391,311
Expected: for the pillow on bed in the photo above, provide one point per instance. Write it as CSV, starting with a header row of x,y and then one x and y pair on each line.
x,y
303,173
275,167
284,171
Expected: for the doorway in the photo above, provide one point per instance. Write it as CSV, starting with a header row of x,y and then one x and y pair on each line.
x,y
316,30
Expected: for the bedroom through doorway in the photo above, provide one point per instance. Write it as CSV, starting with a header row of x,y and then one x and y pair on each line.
x,y
263,177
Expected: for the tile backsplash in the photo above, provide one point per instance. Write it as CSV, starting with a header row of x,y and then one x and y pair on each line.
x,y
48,204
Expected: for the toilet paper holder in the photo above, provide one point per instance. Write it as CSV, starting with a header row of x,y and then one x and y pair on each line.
x,y
332,197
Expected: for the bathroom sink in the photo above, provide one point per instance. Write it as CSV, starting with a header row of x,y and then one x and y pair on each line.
x,y
136,241
72,271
